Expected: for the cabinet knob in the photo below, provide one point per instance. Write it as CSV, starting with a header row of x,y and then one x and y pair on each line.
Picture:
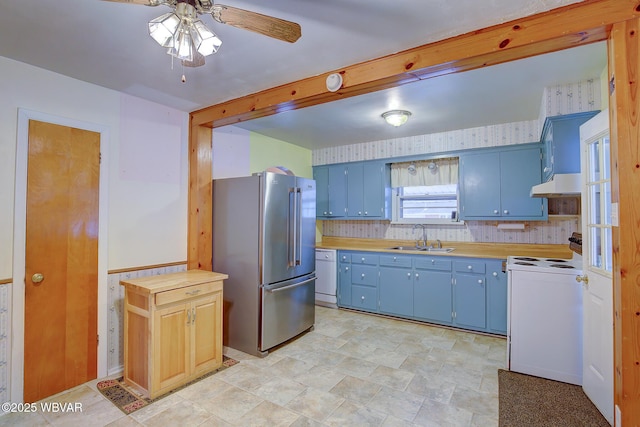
x,y
395,258
363,275
346,269
362,259
408,274
366,213
359,213
325,212
330,213
362,297
433,261
417,275
495,274
480,281
547,169
506,212
469,267
495,211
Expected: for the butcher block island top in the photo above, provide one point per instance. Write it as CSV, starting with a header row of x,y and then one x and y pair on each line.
x,y
461,249
172,329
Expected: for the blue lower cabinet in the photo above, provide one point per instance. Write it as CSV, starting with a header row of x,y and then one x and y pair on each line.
x,y
432,296
364,297
496,298
344,285
470,305
396,291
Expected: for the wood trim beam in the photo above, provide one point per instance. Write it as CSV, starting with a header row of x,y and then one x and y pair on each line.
x,y
624,69
570,26
199,243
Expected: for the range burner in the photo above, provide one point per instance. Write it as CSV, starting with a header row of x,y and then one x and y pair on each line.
x,y
561,266
556,260
524,258
524,263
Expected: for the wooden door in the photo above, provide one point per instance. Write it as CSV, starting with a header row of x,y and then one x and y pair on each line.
x,y
206,329
61,245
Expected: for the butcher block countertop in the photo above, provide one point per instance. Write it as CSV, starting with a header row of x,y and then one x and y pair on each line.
x,y
164,282
462,249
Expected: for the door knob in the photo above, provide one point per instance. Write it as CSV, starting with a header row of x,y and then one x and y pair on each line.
x,y
37,278
584,280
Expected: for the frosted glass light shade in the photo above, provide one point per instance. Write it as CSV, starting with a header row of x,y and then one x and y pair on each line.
x,y
205,41
163,28
182,47
396,117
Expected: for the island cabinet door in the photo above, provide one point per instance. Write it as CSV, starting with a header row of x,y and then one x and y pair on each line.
x,y
205,329
170,357
432,296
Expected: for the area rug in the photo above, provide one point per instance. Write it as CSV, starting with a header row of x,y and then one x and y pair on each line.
x,y
530,401
128,400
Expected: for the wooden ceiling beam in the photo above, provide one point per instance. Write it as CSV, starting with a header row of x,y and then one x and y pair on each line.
x,y
570,26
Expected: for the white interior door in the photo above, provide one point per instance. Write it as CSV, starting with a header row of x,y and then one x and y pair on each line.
x,y
597,220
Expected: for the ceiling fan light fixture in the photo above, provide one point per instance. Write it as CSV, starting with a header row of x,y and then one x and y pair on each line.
x,y
205,41
396,117
163,28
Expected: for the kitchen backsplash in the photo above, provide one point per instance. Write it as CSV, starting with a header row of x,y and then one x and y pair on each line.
x,y
556,100
555,231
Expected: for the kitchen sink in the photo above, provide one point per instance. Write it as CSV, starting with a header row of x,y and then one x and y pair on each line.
x,y
414,248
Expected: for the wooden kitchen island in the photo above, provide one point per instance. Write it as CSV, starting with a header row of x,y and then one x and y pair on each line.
x,y
172,329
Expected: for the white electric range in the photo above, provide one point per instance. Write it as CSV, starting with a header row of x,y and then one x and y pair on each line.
x,y
544,320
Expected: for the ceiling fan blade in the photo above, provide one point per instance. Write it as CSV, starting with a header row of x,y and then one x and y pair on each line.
x,y
142,2
266,25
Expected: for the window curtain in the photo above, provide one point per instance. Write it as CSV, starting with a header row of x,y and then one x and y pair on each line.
x,y
445,171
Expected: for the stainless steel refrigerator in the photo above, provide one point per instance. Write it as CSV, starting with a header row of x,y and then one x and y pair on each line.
x,y
264,229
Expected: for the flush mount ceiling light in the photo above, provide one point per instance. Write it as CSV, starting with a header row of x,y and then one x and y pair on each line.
x,y
187,38
396,117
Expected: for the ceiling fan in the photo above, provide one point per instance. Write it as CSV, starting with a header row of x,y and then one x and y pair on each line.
x,y
188,39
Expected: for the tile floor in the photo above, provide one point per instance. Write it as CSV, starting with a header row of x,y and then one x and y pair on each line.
x,y
352,369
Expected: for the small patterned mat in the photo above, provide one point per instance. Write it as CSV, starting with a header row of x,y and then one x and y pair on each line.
x,y
128,400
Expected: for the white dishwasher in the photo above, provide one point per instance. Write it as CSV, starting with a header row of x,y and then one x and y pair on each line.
x,y
327,277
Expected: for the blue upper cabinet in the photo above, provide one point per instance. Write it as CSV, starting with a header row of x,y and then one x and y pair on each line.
x,y
359,190
495,184
367,185
561,143
331,192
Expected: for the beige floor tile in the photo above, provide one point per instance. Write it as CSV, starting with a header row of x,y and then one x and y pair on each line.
x,y
400,404
23,419
315,404
185,413
232,404
393,378
437,414
475,401
461,376
99,413
303,421
268,414
435,389
124,421
356,367
351,414
356,389
141,415
280,390
321,377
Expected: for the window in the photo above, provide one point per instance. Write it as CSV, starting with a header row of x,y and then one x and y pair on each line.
x,y
425,192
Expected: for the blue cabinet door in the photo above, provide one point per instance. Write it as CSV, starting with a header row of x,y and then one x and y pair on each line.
x,y
337,191
496,298
344,285
480,185
321,175
470,301
364,297
355,184
432,296
396,291
519,171
373,189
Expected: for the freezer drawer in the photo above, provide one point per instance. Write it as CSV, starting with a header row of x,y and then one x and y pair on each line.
x,y
288,309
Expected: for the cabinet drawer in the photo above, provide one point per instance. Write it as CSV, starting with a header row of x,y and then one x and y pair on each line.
x,y
395,261
364,275
182,294
429,263
344,257
363,297
364,258
469,266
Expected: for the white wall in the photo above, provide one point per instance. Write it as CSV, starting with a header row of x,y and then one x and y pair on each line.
x,y
148,162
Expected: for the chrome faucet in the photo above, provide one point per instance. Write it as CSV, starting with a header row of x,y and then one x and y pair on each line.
x,y
424,235
438,244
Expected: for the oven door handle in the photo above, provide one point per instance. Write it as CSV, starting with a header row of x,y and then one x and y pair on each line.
x,y
284,288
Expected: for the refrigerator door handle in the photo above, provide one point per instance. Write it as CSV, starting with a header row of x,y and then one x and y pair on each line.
x,y
284,288
299,225
292,251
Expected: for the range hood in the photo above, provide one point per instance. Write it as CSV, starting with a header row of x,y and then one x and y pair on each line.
x,y
560,185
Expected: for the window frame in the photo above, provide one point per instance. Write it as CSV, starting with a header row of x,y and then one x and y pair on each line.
x,y
395,211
